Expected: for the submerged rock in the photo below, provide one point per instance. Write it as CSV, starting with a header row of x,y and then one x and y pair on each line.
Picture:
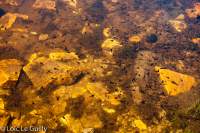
x,y
89,28
109,110
9,71
131,122
107,32
72,3
142,66
7,21
100,91
110,45
2,12
175,83
178,25
14,2
4,121
196,41
78,125
73,91
51,70
135,39
73,124
97,89
91,120
140,124
195,11
43,37
152,38
63,56
2,106
45,4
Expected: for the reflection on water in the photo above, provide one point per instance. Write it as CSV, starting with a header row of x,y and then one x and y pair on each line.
x,y
100,65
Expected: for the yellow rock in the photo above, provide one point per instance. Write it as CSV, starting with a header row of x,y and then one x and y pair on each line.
x,y
76,91
33,33
22,16
180,17
109,110
178,25
73,124
7,21
140,124
100,91
63,56
175,83
45,4
4,120
97,89
2,106
72,3
78,125
91,121
196,40
51,71
33,112
88,130
59,107
43,37
87,28
17,122
20,30
9,70
71,91
32,57
107,32
135,39
180,65
3,78
110,44
4,92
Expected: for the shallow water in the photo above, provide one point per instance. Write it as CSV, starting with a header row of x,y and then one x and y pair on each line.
x,y
100,65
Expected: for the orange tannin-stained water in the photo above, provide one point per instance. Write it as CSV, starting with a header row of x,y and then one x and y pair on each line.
x,y
100,66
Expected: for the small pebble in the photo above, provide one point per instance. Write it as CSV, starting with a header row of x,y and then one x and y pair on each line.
x,y
43,37
33,33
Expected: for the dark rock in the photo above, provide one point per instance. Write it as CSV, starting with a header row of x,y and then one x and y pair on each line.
x,y
152,38
2,12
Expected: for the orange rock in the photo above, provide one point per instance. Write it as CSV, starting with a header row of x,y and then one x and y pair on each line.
x,y
196,40
135,39
194,12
